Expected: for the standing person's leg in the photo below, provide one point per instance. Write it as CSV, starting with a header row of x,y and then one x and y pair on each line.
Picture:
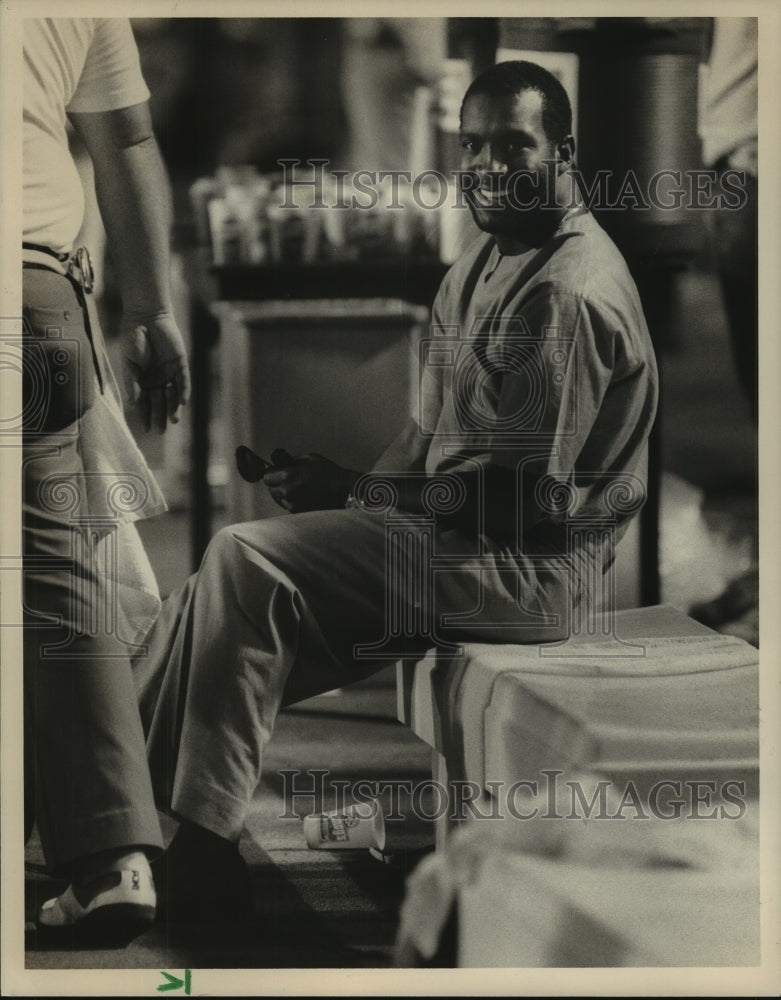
x,y
93,787
94,806
736,246
737,252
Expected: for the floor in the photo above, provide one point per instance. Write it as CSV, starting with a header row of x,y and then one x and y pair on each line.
x,y
340,909
315,909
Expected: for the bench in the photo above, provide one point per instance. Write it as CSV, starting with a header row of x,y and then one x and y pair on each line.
x,y
662,706
660,698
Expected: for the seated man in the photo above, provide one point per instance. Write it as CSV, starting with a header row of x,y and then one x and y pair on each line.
x,y
537,397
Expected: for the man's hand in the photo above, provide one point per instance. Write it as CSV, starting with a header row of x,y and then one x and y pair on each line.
x,y
156,373
310,482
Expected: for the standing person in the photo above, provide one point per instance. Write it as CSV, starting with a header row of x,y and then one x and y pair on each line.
x,y
730,138
730,133
540,383
89,591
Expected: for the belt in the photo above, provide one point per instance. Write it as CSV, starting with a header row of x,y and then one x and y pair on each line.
x,y
76,265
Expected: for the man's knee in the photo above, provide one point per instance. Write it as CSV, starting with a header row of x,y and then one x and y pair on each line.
x,y
221,549
234,547
269,538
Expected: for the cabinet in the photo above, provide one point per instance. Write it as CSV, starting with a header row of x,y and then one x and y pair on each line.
x,y
334,376
234,303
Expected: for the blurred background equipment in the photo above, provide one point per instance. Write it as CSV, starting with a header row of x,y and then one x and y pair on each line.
x,y
234,97
281,302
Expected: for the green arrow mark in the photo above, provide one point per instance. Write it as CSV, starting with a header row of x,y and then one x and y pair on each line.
x,y
175,983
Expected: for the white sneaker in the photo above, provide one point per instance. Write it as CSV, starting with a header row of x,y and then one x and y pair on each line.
x,y
114,908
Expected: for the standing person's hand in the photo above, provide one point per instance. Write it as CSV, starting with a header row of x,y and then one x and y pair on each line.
x,y
156,372
310,482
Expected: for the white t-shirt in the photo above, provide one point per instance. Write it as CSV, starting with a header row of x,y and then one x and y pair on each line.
x,y
70,64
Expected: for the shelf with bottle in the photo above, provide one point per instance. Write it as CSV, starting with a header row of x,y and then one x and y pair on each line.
x,y
305,216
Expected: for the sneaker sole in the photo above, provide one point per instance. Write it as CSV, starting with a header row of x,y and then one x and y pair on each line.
x,y
112,926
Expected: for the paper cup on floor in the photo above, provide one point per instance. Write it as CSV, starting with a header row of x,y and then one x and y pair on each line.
x,y
358,826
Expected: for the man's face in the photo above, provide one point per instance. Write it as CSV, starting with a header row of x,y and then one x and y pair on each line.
x,y
503,146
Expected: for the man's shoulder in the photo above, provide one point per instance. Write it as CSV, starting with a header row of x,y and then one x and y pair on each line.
x,y
582,247
71,37
585,280
583,261
111,77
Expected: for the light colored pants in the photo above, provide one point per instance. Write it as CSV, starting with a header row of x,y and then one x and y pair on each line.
x,y
274,615
85,759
